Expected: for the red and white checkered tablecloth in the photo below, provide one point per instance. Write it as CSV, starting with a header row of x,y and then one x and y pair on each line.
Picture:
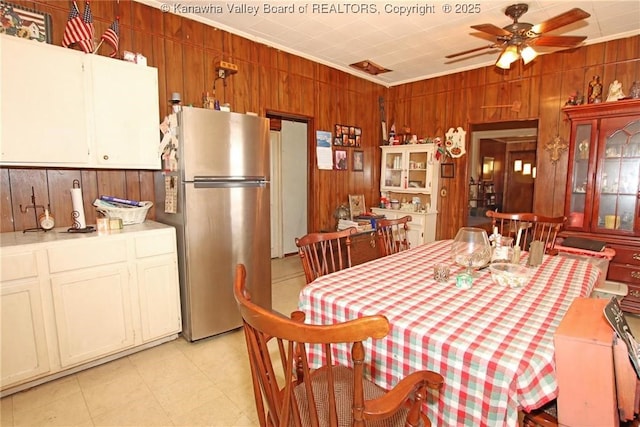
x,y
492,344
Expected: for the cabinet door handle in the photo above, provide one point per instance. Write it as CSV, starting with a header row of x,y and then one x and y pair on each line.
x,y
635,274
372,243
636,257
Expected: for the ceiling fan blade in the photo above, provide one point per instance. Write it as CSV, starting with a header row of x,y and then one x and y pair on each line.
x,y
470,51
569,17
491,29
557,41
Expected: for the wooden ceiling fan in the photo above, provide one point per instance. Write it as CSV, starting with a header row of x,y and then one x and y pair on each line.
x,y
516,40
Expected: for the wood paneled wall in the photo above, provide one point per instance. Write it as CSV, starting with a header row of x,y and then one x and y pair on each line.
x,y
185,52
268,81
432,106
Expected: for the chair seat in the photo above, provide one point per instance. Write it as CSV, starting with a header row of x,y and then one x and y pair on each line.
x,y
343,381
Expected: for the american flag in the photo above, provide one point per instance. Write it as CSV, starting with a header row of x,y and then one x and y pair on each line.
x,y
87,19
112,36
79,30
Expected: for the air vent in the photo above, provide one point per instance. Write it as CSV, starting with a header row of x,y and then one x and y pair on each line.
x,y
369,67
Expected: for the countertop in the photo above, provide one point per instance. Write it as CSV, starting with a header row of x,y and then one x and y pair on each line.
x,y
18,238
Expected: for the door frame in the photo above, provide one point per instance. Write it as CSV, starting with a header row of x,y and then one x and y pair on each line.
x,y
275,117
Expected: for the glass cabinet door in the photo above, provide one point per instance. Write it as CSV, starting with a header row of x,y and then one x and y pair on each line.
x,y
393,161
407,169
419,164
580,176
619,177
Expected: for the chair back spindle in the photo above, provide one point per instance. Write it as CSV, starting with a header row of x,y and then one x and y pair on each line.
x,y
530,226
324,253
392,235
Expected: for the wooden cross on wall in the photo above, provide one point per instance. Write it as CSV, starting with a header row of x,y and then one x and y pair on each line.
x,y
556,148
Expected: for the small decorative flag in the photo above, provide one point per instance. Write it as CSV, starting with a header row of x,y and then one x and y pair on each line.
x,y
75,31
112,36
87,43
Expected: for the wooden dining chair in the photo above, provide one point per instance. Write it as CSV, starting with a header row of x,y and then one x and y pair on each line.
x,y
534,227
289,392
392,235
324,253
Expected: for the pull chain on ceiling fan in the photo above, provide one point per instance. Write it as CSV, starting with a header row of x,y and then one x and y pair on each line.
x,y
517,39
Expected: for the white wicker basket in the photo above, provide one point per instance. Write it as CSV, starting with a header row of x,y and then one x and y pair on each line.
x,y
128,216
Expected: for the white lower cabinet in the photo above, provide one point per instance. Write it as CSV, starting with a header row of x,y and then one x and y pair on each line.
x,y
24,343
157,293
72,301
422,228
93,313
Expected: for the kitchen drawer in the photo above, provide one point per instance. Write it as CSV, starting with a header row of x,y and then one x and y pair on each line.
x,y
155,244
416,220
631,302
89,253
624,273
626,255
18,266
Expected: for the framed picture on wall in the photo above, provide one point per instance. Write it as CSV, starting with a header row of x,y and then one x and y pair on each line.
x,y
358,160
26,23
447,170
347,136
340,161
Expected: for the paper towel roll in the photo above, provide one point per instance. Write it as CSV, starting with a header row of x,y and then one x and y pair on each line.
x,y
77,215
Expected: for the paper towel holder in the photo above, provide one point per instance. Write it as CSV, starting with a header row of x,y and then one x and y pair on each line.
x,y
75,215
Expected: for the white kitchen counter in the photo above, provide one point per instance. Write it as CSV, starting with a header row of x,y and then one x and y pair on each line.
x,y
61,235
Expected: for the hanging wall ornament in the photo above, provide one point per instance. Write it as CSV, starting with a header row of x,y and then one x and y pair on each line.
x,y
454,142
441,151
556,148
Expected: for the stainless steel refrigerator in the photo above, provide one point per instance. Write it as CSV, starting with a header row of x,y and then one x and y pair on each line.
x,y
221,215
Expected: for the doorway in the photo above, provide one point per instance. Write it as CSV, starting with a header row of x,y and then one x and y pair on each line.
x,y
518,188
289,185
504,142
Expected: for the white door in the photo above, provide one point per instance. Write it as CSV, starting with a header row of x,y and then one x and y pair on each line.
x,y
294,183
276,194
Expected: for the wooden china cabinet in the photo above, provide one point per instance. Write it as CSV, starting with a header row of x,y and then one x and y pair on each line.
x,y
603,185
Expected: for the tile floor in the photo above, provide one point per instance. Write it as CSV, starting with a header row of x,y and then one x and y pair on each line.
x,y
206,383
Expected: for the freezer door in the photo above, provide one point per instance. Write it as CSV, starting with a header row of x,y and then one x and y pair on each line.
x,y
224,225
222,144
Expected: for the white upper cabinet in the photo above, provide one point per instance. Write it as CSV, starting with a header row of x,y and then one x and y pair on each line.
x,y
408,168
43,105
125,113
64,108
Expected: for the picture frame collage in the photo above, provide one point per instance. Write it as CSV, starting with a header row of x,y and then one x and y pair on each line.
x,y
348,136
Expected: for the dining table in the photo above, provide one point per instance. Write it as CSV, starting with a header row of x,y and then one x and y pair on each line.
x,y
492,344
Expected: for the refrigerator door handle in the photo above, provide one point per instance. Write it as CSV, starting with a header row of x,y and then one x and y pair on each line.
x,y
229,178
230,184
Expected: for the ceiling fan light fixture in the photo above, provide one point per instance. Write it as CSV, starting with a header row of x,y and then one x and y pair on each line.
x,y
509,56
528,54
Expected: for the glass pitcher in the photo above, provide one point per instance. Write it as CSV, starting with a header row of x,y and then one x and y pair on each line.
x,y
503,250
